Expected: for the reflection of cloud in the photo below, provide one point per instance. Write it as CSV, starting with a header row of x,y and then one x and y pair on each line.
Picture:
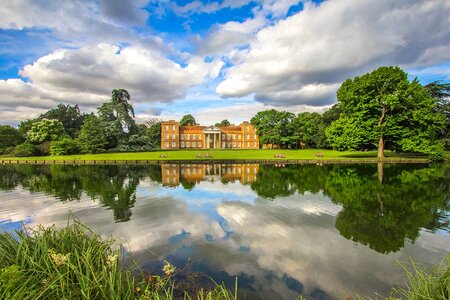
x,y
309,249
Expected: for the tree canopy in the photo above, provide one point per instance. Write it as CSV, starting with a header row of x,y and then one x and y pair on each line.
x,y
384,108
223,123
188,120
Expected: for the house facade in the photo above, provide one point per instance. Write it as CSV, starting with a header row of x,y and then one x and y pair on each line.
x,y
174,136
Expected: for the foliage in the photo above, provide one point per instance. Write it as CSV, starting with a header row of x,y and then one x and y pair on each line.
x,y
188,120
441,93
92,138
45,130
223,123
9,137
65,146
424,283
117,118
276,128
310,130
69,116
153,132
75,263
25,149
383,107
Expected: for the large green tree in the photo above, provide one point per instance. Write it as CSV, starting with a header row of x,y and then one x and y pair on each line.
x,y
188,120
384,108
45,130
275,127
93,137
441,93
310,130
70,116
117,117
223,123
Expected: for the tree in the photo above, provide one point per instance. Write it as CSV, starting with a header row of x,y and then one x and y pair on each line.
x,y
92,137
224,123
68,115
275,127
441,93
153,132
65,146
9,137
310,130
45,130
117,117
187,120
383,108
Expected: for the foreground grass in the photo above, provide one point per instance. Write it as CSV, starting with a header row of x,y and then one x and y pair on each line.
x,y
74,263
261,154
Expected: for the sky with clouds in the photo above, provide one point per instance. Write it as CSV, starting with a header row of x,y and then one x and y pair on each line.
x,y
214,59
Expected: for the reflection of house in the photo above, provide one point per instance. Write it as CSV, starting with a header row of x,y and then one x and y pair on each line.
x,y
173,174
174,136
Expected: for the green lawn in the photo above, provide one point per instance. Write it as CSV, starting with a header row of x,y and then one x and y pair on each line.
x,y
306,154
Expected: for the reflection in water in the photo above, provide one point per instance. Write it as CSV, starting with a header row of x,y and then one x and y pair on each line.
x,y
322,231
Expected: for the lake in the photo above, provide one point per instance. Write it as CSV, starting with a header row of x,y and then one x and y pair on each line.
x,y
322,231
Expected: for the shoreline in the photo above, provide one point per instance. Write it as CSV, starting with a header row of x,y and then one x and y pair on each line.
x,y
213,161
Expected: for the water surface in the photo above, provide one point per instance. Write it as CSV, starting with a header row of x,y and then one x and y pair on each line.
x,y
321,231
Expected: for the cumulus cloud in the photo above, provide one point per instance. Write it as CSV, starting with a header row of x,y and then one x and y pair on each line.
x,y
86,76
303,58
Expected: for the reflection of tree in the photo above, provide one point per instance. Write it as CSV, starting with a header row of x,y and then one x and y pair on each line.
x,y
382,215
272,182
113,186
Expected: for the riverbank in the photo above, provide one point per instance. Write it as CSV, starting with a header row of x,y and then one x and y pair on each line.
x,y
223,156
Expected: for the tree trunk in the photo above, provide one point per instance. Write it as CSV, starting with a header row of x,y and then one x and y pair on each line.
x,y
380,169
381,148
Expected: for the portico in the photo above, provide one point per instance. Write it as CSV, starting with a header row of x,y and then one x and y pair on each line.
x,y
213,138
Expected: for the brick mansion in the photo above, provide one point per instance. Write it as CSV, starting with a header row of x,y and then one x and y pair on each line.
x,y
174,136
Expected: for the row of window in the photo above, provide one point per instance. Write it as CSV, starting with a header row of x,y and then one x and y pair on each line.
x,y
188,136
173,127
233,144
189,144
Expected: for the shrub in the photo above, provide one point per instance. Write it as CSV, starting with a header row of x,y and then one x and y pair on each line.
x,y
65,146
25,149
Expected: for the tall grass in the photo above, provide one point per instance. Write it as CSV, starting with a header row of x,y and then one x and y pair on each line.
x,y
422,283
75,263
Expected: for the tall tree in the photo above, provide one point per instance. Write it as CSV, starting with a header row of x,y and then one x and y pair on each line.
x,y
187,120
45,130
93,137
441,93
117,117
310,130
9,137
384,108
275,127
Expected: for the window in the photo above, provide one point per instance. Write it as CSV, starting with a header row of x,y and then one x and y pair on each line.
x,y
199,144
248,136
182,144
188,144
167,127
234,136
254,145
228,136
248,145
167,144
246,128
234,144
199,136
193,144
173,136
188,137
239,136
193,137
173,144
173,127
254,136
167,136
239,145
228,144
182,136
223,144
223,136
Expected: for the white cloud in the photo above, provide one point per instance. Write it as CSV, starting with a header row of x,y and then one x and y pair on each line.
x,y
86,76
304,58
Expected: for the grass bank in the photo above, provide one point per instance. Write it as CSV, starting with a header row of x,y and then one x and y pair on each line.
x,y
262,154
75,263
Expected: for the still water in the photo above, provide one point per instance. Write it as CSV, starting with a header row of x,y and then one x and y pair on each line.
x,y
325,232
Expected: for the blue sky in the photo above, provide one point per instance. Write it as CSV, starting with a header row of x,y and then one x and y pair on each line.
x,y
217,60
